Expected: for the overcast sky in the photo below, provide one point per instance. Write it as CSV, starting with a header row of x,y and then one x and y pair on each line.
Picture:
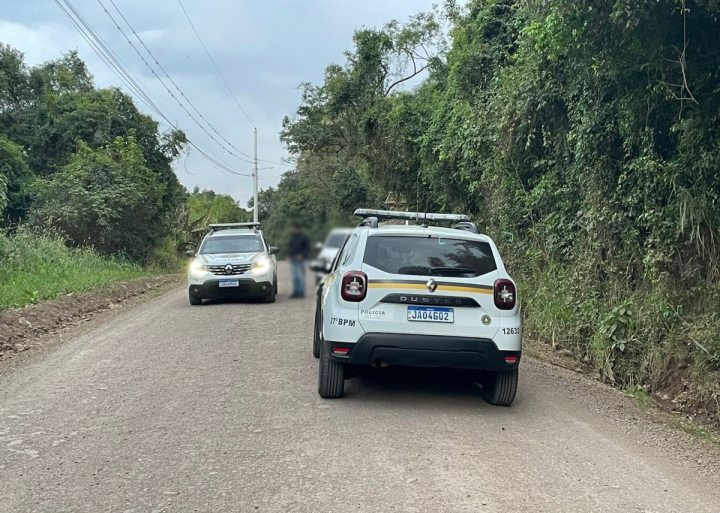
x,y
265,49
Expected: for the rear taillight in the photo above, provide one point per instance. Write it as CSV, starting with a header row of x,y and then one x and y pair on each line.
x,y
504,294
354,286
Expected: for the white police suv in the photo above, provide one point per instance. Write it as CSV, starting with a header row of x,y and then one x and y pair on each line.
x,y
419,295
233,260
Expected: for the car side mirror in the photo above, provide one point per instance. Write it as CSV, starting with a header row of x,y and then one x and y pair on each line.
x,y
318,245
189,253
274,250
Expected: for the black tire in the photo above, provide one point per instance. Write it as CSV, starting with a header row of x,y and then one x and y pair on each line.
x,y
194,300
275,285
499,388
317,333
331,379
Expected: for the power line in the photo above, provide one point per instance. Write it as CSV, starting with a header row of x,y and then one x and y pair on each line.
x,y
222,78
102,51
212,61
133,83
174,84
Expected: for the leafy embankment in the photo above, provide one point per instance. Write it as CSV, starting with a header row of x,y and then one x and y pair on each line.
x,y
583,136
36,267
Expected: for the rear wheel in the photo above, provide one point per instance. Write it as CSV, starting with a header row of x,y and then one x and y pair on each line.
x,y
331,379
499,388
194,300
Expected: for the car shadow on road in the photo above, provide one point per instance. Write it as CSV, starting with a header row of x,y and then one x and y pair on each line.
x,y
240,300
411,386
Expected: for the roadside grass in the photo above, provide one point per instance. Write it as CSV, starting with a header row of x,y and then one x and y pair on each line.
x,y
698,431
641,395
34,267
651,341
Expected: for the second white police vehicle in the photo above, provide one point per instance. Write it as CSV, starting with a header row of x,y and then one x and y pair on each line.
x,y
419,295
234,260
327,251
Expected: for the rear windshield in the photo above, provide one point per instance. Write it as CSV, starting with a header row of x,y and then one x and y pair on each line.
x,y
229,244
335,240
429,256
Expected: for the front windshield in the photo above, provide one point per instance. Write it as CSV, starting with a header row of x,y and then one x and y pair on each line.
x,y
229,244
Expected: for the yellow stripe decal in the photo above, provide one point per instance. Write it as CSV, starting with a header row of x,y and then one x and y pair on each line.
x,y
422,286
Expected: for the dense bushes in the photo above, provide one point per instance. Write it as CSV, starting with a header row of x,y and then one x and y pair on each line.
x,y
86,164
83,161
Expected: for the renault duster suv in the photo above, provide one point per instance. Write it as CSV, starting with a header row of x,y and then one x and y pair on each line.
x,y
419,295
233,260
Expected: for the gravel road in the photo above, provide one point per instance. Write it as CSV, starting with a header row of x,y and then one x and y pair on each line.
x,y
171,408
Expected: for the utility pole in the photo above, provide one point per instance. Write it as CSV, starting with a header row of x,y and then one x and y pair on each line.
x,y
255,182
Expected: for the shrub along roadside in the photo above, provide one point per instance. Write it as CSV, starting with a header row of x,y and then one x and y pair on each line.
x,y
651,338
35,266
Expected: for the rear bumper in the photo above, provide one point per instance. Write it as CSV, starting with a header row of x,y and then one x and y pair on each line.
x,y
211,289
427,351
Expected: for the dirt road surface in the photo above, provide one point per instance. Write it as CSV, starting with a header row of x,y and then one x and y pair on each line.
x,y
172,408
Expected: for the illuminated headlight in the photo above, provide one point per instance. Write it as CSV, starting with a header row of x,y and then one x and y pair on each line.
x,y
261,264
197,267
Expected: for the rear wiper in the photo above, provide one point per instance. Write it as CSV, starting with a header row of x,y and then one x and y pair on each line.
x,y
451,270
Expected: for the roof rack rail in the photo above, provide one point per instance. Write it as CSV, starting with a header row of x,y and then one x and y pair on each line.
x,y
233,226
368,213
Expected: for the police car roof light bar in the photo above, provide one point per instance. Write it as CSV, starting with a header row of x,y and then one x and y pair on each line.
x,y
233,226
368,213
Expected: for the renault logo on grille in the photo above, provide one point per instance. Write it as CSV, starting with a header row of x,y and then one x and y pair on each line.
x,y
431,285
228,268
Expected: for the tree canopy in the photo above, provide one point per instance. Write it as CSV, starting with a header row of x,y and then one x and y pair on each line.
x,y
84,161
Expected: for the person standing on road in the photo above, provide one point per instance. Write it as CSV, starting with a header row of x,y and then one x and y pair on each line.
x,y
298,251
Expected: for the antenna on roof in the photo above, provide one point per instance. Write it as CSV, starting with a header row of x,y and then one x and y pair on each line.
x,y
426,213
417,199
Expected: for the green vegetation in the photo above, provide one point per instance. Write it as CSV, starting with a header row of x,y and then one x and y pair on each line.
x,y
641,395
36,267
583,136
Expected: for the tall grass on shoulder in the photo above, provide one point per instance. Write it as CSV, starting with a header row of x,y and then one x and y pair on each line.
x,y
653,338
36,266
165,257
